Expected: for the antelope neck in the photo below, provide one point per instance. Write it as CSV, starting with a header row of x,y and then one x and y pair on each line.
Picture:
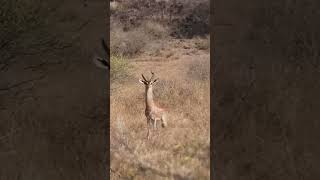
x,y
149,97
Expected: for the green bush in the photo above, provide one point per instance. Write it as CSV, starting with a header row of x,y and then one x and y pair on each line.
x,y
119,68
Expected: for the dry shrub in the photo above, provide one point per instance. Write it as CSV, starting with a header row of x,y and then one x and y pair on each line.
x,y
199,70
132,42
157,30
203,43
185,18
193,20
128,43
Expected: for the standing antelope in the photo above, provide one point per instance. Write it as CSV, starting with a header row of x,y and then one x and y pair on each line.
x,y
152,112
103,62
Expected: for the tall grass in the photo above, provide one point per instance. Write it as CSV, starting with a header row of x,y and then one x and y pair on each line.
x,y
180,151
119,68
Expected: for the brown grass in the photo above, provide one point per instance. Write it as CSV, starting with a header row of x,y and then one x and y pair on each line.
x,y
182,149
202,43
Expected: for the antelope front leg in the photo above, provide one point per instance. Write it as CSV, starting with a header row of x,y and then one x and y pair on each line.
x,y
154,124
149,127
148,136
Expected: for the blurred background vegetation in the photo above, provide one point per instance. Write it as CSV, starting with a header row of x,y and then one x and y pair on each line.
x,y
19,16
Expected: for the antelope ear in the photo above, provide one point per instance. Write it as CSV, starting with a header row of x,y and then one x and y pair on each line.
x,y
141,81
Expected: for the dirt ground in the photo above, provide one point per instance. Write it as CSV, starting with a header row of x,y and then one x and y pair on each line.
x,y
54,101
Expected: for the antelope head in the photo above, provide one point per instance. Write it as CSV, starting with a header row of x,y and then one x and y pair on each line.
x,y
103,62
149,82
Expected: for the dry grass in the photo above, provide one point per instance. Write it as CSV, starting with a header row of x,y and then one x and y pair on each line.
x,y
202,43
179,151
182,150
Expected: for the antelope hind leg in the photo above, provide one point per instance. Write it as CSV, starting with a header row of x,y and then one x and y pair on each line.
x,y
155,124
164,121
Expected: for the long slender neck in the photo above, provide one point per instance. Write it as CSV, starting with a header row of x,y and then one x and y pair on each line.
x,y
149,97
